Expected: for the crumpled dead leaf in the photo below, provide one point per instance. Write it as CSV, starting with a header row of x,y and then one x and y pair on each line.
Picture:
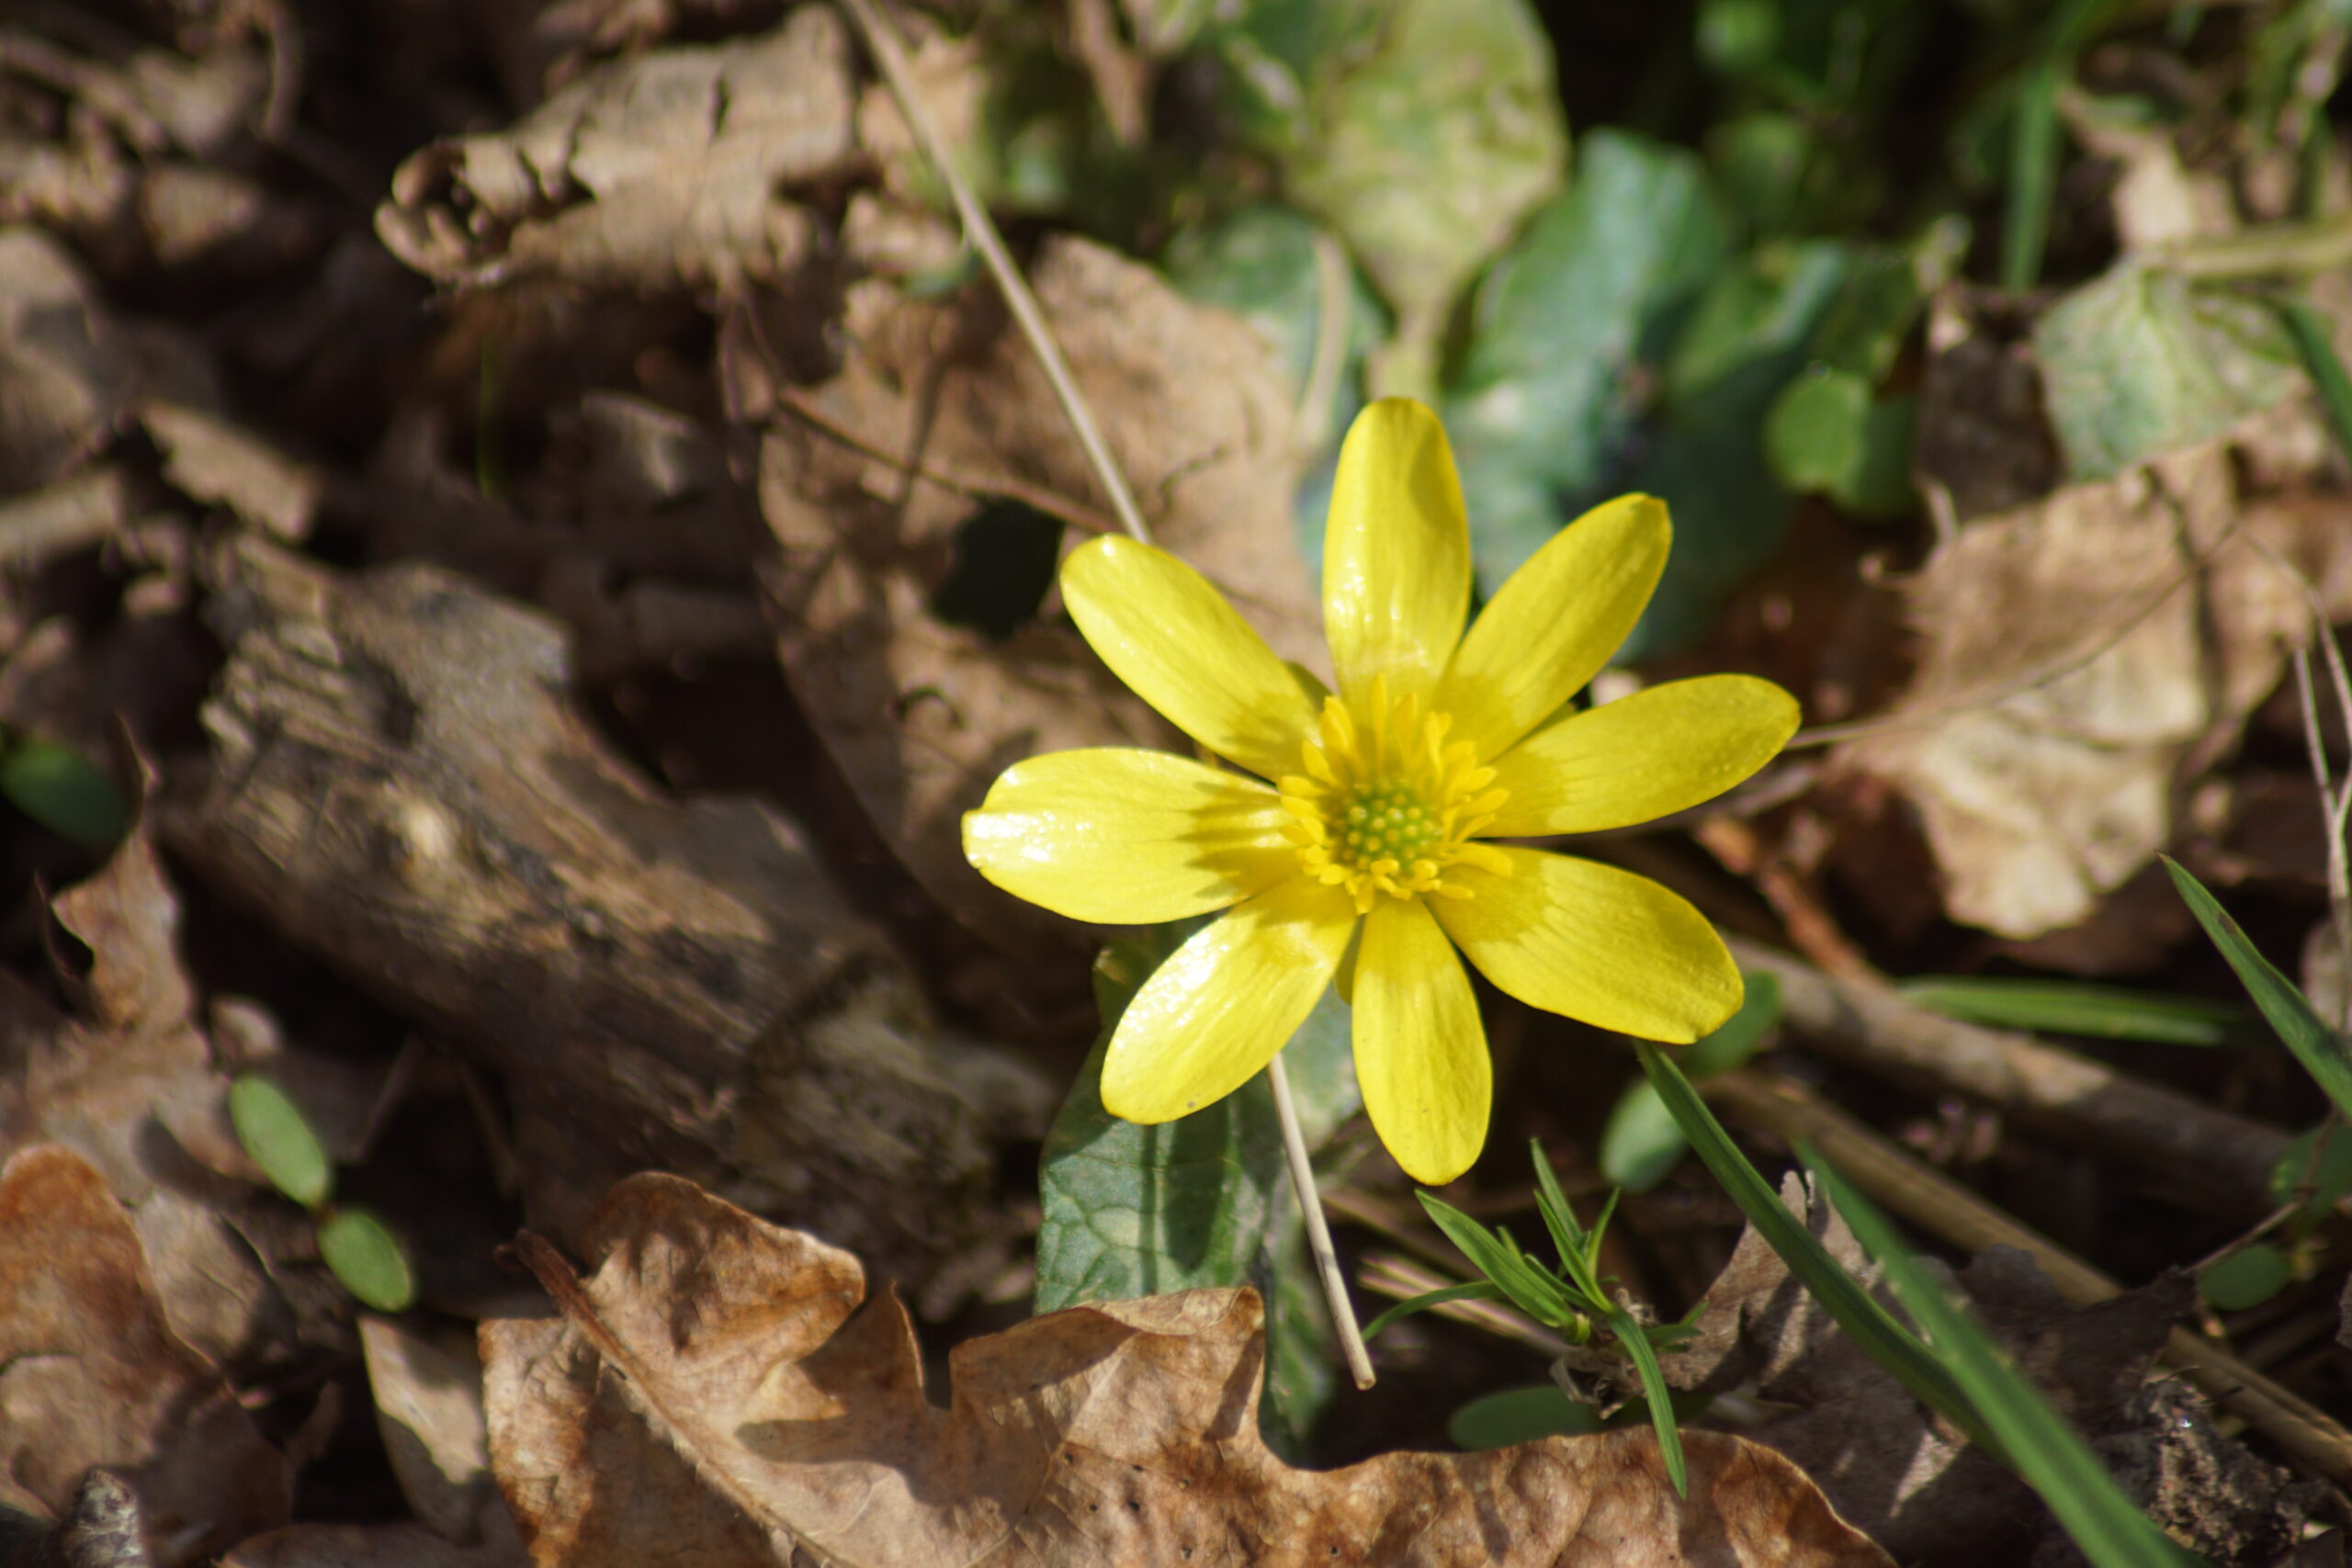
x,y
64,378
669,170
754,1415
866,479
2076,654
92,1374
1886,1462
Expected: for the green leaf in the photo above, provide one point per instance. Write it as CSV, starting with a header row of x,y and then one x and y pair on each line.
x,y
2314,1175
1477,1290
2043,1450
359,1250
1495,1255
1429,140
1545,395
280,1138
1661,1399
2319,1048
60,789
1868,1324
2074,1007
1516,1415
2313,336
1642,1142
2139,362
2247,1278
1132,1211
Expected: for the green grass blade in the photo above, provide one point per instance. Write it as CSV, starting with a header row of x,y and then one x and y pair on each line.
x,y
2033,174
2047,1452
2070,1007
2319,1048
1477,1290
1872,1328
1569,1236
2314,342
1498,1258
1670,1434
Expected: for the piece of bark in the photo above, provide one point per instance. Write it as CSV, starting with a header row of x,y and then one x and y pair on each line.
x,y
398,782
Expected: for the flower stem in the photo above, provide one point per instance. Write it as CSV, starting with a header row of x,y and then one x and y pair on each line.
x,y
1318,1233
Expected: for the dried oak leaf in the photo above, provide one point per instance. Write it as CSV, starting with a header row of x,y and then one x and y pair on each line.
x,y
2078,654
91,1372
868,481
663,172
755,1417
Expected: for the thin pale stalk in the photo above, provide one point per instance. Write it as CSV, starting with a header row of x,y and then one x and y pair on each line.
x,y
2339,878
890,59
1319,1234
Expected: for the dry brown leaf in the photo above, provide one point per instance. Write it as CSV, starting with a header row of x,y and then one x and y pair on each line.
x,y
2074,661
1120,1434
922,716
429,1410
666,171
94,1374
64,378
211,459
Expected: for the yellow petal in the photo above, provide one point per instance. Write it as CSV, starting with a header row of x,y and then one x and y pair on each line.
x,y
1550,628
1218,1009
1128,837
1395,552
1642,757
1420,1050
1171,636
1600,944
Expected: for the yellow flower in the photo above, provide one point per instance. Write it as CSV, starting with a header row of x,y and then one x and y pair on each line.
x,y
1351,845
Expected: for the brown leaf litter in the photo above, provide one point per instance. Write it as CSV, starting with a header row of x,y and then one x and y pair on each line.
x,y
759,1416
400,781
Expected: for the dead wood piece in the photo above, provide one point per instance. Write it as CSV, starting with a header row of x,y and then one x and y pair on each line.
x,y
398,781
2194,1153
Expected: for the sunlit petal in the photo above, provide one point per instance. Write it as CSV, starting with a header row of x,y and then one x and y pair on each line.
x,y
1600,944
1395,552
1172,638
1420,1050
1218,1009
1128,837
1550,628
1660,751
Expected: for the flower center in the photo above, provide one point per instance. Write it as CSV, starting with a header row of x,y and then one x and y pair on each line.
x,y
1385,806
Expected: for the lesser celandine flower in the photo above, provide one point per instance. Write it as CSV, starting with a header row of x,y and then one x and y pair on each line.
x,y
1348,838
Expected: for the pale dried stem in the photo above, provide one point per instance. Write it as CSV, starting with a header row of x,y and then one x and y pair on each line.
x,y
890,59
1921,1193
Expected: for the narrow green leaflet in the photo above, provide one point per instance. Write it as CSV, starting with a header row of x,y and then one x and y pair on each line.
x,y
1872,1326
1642,1142
1132,1211
2247,1278
2047,1452
275,1131
2072,1006
2319,1048
60,789
2139,361
2313,337
363,1253
1661,1398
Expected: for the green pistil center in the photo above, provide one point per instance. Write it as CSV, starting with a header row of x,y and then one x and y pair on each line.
x,y
1389,821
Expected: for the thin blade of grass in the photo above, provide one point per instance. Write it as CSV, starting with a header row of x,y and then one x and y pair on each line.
x,y
2068,1006
1567,1234
1477,1290
2319,1048
1661,1398
1529,1288
1872,1326
2312,335
2043,1450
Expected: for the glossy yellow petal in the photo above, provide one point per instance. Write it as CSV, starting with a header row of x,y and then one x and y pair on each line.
x,y
1420,1050
1600,944
1171,636
1660,751
1550,628
1218,1009
1395,552
1128,837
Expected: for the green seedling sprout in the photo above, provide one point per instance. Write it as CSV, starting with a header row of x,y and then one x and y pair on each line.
x,y
357,1247
1571,1298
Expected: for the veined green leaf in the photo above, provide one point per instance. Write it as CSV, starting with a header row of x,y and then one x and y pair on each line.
x,y
2074,1007
2039,1444
2319,1048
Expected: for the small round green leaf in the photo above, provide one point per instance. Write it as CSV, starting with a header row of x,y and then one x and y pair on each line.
x,y
2247,1278
2316,1175
60,789
1815,433
275,1133
1641,1145
1521,1415
369,1259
